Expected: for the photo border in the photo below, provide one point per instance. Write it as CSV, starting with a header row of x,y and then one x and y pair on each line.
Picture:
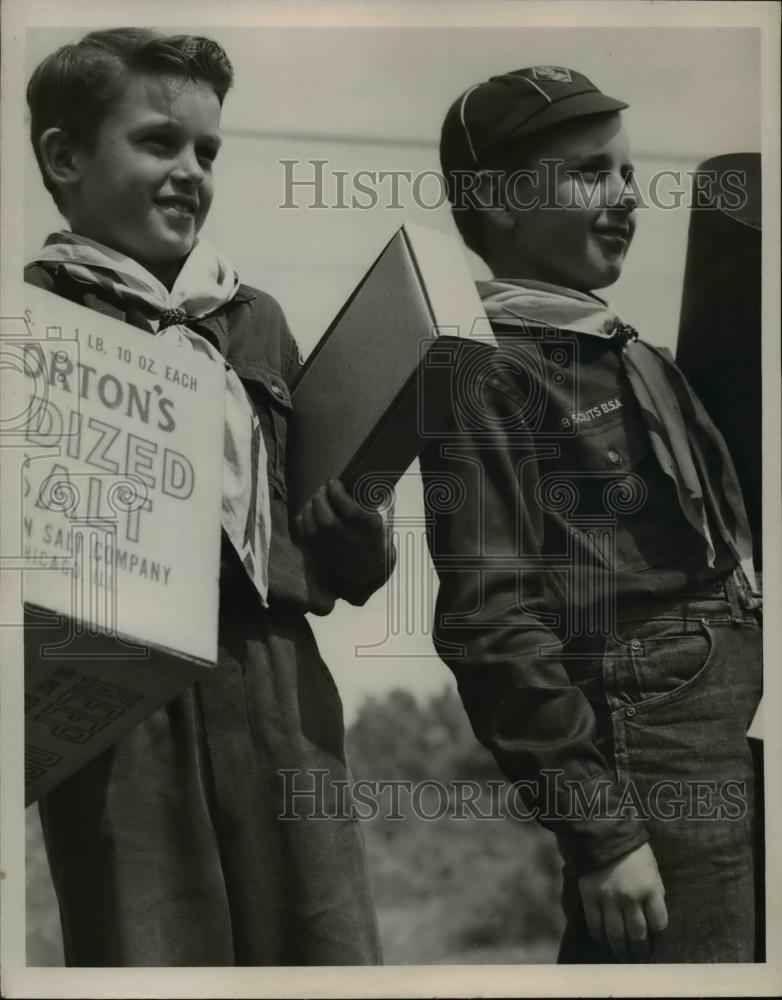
x,y
457,981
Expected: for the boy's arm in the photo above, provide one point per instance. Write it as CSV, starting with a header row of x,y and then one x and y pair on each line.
x,y
485,533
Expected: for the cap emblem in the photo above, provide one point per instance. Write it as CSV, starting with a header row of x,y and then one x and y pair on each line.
x,y
554,73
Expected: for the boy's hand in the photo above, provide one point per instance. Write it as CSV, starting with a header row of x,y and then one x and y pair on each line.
x,y
624,903
354,543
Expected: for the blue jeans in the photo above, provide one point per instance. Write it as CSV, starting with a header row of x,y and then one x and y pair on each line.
x,y
674,693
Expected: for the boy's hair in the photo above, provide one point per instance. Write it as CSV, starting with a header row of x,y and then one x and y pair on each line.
x,y
467,208
75,87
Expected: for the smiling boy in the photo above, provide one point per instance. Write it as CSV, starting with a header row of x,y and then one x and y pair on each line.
x,y
167,849
592,601
124,194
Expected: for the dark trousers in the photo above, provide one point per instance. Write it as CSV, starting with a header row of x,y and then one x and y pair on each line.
x,y
169,850
674,694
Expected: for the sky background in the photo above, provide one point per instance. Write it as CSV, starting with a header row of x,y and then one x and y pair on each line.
x,y
374,99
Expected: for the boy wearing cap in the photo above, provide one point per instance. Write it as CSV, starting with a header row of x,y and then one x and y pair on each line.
x,y
592,604
169,849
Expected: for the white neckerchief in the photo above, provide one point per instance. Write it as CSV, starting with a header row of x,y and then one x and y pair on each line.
x,y
206,282
514,302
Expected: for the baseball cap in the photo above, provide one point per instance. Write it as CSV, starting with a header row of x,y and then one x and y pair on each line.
x,y
490,115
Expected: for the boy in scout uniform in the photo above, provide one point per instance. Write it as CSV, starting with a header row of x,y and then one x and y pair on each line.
x,y
594,598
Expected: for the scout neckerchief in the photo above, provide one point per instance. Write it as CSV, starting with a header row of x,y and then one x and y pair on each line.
x,y
206,282
661,391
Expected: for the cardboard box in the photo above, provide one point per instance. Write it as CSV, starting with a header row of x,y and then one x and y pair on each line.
x,y
122,486
379,382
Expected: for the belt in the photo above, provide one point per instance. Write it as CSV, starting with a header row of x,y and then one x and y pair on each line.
x,y
734,589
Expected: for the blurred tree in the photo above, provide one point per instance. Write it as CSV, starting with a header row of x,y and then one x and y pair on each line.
x,y
450,889
396,738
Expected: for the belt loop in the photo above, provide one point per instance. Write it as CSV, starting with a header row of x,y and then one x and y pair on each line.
x,y
734,599
750,599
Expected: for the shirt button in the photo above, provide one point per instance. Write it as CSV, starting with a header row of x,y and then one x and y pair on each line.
x,y
614,457
630,712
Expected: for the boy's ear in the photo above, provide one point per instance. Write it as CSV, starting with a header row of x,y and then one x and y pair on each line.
x,y
490,195
57,156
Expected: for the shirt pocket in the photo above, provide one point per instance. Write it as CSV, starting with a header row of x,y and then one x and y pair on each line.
x,y
608,466
627,487
271,399
616,447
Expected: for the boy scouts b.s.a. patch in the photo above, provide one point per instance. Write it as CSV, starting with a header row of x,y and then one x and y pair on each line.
x,y
554,73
